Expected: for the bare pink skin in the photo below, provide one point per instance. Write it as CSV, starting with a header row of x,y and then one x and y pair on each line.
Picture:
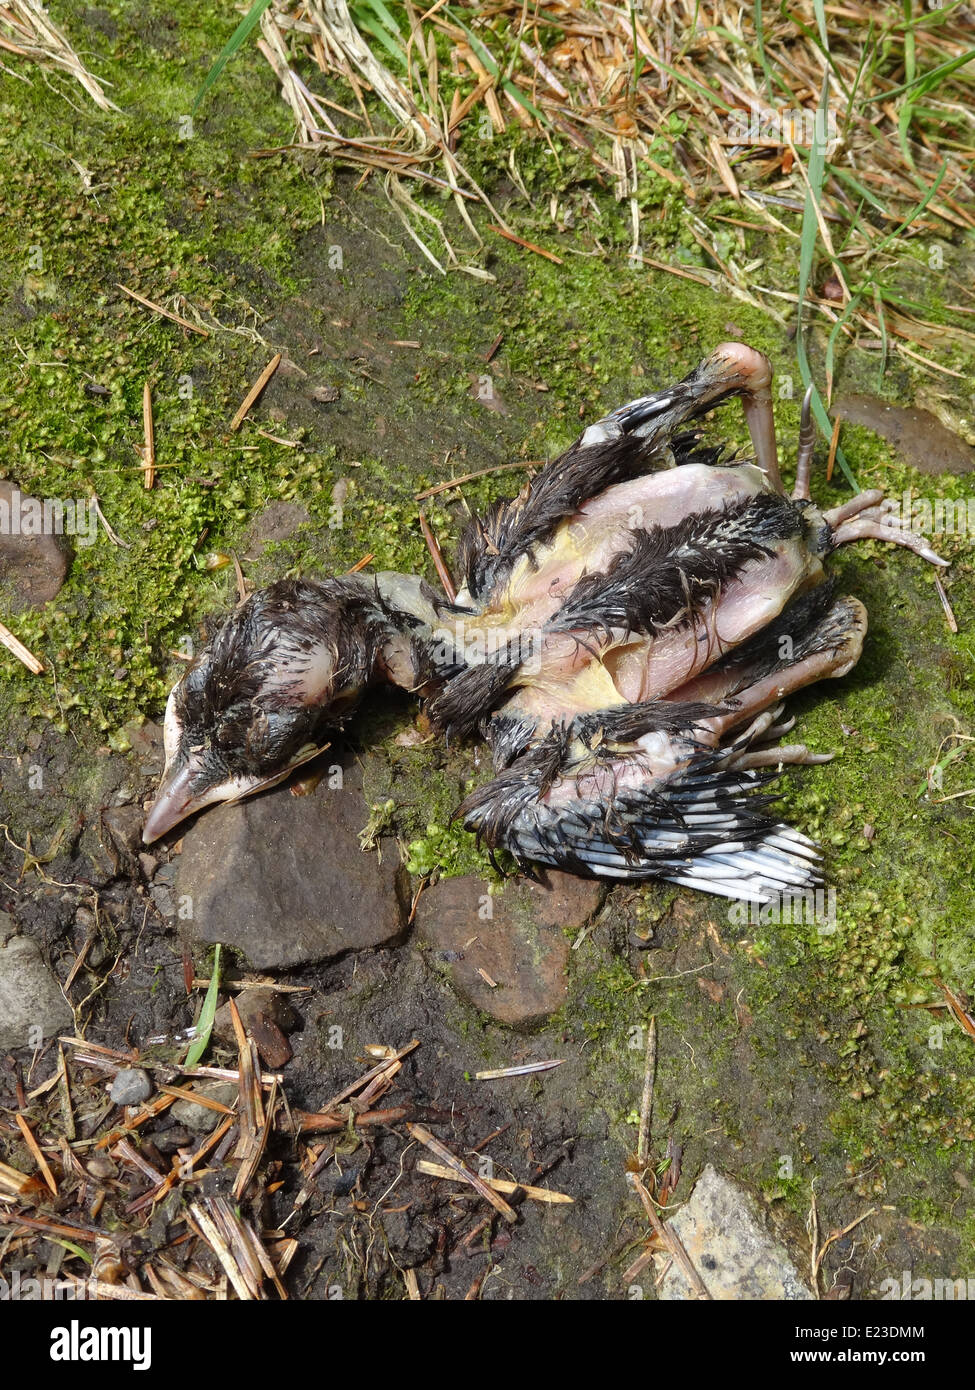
x,y
648,668
659,755
590,541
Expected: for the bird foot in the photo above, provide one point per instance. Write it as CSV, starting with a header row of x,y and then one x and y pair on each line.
x,y
876,519
876,515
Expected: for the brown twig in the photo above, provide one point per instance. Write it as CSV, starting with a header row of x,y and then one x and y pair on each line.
x,y
14,644
470,478
830,1239
149,448
671,1239
537,1194
528,245
38,1157
254,392
436,555
646,1102
460,1170
833,443
166,313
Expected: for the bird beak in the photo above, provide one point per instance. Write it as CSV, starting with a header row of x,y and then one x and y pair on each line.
x,y
175,801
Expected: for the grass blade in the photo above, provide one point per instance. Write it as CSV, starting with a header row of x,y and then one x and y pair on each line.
x,y
926,81
807,250
205,1023
236,41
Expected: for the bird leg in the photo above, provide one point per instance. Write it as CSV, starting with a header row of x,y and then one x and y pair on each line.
x,y
755,371
732,369
876,520
793,753
807,439
863,500
754,747
760,740
831,650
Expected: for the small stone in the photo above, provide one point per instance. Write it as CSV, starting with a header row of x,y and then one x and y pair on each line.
x,y
288,367
131,1086
721,1228
266,1016
32,1007
101,1167
146,739
507,955
124,827
277,522
167,1141
163,889
283,879
200,1118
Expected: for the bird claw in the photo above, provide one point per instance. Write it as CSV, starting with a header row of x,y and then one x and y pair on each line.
x,y
878,523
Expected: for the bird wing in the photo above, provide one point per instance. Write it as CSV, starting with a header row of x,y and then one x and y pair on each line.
x,y
584,801
633,439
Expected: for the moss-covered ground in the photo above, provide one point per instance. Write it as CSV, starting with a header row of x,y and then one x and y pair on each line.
x,y
808,1046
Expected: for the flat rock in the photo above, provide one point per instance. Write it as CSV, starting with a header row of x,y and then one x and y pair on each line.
x,y
283,879
563,900
32,1006
266,1016
32,568
507,955
722,1230
918,436
201,1119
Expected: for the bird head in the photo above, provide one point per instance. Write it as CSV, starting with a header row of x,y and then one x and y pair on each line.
x,y
288,664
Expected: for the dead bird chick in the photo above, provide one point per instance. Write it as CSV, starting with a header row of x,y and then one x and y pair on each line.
x,y
626,631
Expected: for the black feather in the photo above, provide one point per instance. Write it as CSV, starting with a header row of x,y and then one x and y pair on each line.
x,y
491,545
465,700
669,572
